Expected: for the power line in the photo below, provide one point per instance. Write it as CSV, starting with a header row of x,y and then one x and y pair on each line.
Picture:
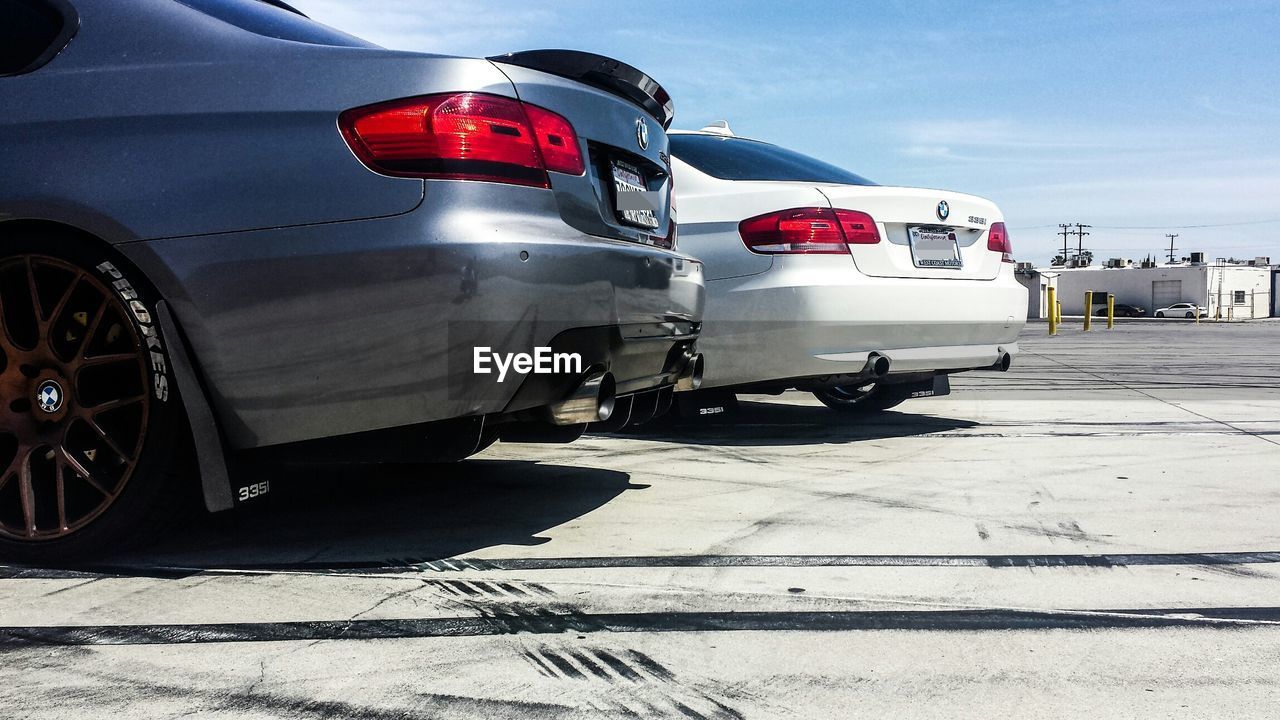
x,y
1156,227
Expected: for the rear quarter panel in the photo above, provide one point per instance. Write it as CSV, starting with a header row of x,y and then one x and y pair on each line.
x,y
159,121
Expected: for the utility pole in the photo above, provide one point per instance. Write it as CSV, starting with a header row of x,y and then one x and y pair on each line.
x,y
1080,233
1171,247
1064,233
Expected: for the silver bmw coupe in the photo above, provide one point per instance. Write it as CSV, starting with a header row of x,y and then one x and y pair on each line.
x,y
227,231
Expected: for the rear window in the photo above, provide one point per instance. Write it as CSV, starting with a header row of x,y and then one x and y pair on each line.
x,y
31,33
264,18
731,158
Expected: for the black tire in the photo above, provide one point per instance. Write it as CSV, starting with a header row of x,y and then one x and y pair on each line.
x,y
1159,314
865,398
120,420
1191,316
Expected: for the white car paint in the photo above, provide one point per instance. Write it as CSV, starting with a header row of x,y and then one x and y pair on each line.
x,y
793,317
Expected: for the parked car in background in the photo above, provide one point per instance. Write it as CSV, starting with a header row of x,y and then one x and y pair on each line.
x,y
1121,310
1181,310
821,280
229,228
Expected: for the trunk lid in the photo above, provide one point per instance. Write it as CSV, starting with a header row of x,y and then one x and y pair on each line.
x,y
619,115
939,218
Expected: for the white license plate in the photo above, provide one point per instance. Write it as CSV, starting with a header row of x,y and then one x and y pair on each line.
x,y
627,179
933,248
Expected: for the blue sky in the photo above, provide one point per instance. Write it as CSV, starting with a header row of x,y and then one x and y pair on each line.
x,y
1139,118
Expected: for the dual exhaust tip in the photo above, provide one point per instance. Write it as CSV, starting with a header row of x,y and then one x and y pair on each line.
x,y
592,400
690,377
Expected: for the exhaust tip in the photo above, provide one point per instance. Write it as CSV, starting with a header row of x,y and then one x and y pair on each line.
x,y
1003,364
591,401
691,375
606,398
878,365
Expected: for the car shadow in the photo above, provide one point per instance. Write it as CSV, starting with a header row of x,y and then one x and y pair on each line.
x,y
757,423
381,515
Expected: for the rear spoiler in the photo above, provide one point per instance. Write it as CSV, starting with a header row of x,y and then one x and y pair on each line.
x,y
612,76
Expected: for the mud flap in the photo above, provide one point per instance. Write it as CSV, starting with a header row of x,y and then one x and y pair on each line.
x,y
937,386
215,480
705,405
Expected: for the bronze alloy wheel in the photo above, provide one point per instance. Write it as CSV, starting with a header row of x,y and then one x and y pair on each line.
x,y
74,382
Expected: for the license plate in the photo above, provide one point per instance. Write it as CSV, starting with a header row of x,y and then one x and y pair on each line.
x,y
632,199
933,248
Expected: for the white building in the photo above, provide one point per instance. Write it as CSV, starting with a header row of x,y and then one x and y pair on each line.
x,y
1237,291
1037,283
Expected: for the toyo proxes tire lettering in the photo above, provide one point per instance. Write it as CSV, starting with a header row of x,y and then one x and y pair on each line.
x,y
146,324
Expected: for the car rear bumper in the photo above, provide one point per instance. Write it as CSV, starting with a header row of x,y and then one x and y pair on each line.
x,y
340,328
814,318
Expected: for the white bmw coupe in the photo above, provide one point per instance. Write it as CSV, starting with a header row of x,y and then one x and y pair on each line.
x,y
821,280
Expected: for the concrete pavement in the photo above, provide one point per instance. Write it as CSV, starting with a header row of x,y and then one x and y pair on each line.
x,y
1092,534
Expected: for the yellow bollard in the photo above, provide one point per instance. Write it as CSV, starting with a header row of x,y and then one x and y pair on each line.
x,y
1111,311
1053,311
1088,310
1197,314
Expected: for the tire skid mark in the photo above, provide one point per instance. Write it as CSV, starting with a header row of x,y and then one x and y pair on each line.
x,y
1094,560
490,589
648,688
509,622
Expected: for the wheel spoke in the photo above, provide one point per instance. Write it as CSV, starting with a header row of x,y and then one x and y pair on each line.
x,y
105,359
82,471
62,494
93,326
12,469
106,439
35,294
93,412
59,307
27,493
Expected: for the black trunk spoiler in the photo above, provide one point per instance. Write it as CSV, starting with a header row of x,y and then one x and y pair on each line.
x,y
612,76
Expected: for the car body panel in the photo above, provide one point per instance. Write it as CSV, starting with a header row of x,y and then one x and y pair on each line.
x,y
813,316
347,327
184,115
895,209
606,126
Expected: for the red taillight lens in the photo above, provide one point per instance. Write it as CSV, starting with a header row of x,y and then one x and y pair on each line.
x,y
998,241
556,140
810,231
669,240
858,227
466,136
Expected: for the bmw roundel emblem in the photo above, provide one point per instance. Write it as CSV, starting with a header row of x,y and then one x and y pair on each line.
x,y
49,396
944,210
642,133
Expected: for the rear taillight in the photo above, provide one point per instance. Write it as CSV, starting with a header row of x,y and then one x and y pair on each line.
x,y
809,231
557,141
998,241
466,136
669,240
